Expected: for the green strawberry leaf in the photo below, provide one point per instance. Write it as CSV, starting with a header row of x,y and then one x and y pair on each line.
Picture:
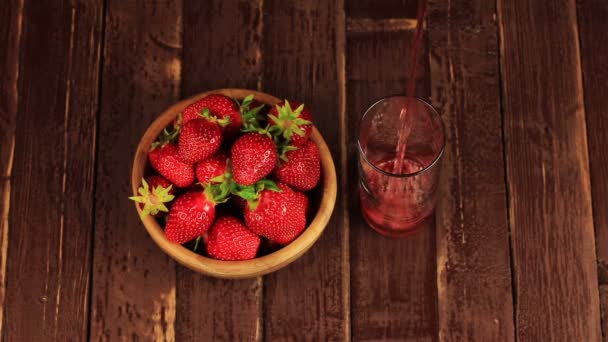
x,y
267,184
154,201
218,179
223,122
247,100
253,204
248,194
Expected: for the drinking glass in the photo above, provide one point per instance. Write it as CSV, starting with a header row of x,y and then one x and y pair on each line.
x,y
395,204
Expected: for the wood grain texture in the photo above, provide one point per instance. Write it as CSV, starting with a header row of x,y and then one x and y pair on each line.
x,y
11,19
592,30
221,50
473,263
547,158
134,281
393,281
593,26
303,54
604,312
381,9
48,264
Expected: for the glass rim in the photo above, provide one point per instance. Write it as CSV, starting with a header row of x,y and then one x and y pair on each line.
x,y
401,175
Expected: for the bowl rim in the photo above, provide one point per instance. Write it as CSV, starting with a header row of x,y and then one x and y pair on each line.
x,y
246,268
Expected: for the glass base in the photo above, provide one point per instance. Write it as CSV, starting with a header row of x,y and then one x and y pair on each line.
x,y
408,229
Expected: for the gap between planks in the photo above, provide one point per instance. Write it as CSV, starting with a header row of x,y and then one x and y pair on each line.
x,y
342,25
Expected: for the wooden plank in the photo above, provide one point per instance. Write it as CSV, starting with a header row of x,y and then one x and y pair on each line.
x,y
604,305
473,263
134,281
221,49
304,60
381,9
11,17
363,25
594,55
48,263
393,281
548,173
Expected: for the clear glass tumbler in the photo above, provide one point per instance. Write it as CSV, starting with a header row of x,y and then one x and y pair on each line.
x,y
396,204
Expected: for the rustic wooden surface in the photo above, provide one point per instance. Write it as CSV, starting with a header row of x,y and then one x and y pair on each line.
x,y
518,249
473,265
11,17
593,27
553,247
49,248
133,292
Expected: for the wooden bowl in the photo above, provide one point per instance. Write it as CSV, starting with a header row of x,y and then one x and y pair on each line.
x,y
248,268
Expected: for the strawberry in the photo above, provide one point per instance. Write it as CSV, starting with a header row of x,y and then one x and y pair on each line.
x,y
164,159
253,157
232,127
301,168
198,140
229,239
192,213
217,108
211,167
295,125
276,215
217,104
190,216
303,199
154,193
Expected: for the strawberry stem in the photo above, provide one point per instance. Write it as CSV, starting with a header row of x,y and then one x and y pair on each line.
x,y
196,242
168,136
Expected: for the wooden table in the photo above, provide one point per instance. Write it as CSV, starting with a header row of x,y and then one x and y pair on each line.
x,y
520,237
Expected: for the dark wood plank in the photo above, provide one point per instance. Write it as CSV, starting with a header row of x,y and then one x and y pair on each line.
x,y
473,264
134,281
304,60
221,49
548,173
393,281
48,264
604,305
11,17
593,26
381,9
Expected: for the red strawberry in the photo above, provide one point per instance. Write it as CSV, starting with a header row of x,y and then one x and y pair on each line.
x,y
253,157
164,160
211,167
278,216
302,168
217,104
154,193
190,216
303,199
229,239
232,125
293,120
199,139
